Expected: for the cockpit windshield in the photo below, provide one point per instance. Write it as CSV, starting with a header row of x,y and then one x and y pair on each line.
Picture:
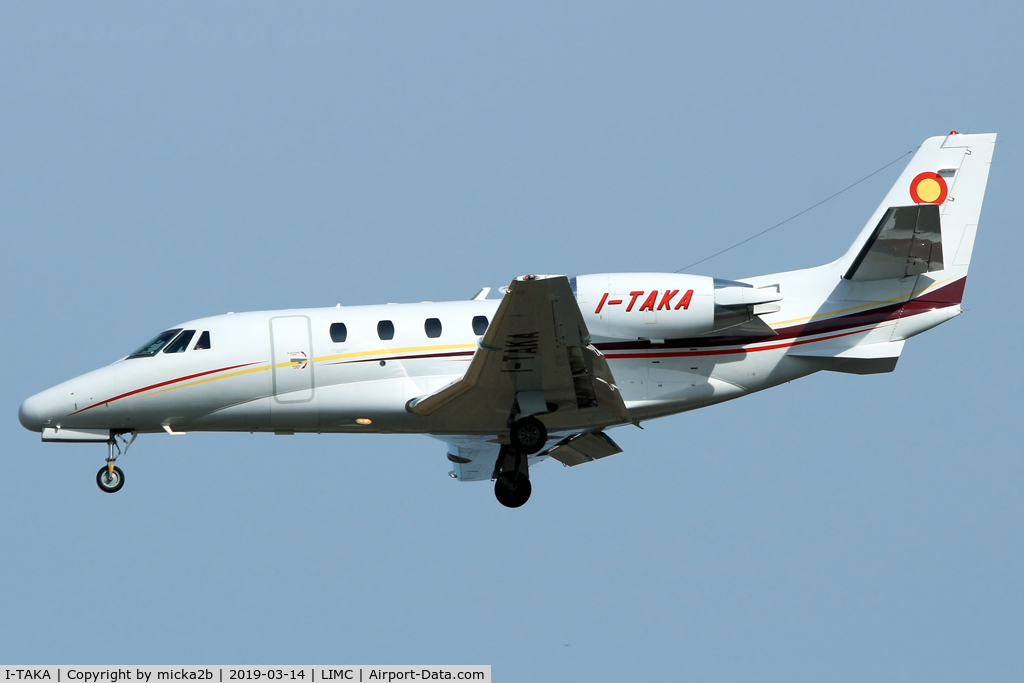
x,y
153,346
180,343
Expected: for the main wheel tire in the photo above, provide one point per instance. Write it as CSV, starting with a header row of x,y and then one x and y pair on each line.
x,y
512,490
528,435
110,482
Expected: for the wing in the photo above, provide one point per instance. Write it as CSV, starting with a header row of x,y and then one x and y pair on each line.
x,y
535,359
475,458
580,448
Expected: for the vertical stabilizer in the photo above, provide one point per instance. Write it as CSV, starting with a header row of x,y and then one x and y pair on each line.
x,y
926,225
906,271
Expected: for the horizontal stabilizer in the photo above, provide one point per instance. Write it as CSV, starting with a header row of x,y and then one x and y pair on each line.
x,y
868,359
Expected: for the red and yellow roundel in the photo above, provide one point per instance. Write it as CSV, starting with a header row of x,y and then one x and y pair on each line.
x,y
928,188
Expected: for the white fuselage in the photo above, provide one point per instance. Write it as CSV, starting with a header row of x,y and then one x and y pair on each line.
x,y
281,371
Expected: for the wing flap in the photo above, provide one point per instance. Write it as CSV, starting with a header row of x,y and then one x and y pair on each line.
x,y
581,448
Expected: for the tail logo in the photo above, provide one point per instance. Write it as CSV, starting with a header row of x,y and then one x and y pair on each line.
x,y
928,188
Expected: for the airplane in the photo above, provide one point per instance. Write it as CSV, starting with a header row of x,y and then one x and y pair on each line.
x,y
548,369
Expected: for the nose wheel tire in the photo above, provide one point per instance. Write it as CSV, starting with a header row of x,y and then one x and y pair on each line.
x,y
512,490
528,435
110,482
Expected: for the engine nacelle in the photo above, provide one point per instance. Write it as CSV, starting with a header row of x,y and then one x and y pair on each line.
x,y
647,305
667,305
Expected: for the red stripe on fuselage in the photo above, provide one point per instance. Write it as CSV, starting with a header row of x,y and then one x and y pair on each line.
x,y
429,355
943,297
160,384
727,352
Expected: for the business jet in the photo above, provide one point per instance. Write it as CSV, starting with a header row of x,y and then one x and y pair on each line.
x,y
551,367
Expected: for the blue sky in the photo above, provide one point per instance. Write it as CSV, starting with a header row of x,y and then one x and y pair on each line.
x,y
161,163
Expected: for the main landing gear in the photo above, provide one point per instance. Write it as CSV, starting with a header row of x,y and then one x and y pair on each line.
x,y
528,435
512,485
110,478
512,489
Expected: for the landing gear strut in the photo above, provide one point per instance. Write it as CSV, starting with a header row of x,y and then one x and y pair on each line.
x,y
512,485
110,478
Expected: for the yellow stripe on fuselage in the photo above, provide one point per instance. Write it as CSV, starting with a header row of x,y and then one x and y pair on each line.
x,y
388,352
211,379
340,356
872,304
451,347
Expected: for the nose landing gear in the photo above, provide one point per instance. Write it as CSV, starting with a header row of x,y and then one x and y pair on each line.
x,y
110,478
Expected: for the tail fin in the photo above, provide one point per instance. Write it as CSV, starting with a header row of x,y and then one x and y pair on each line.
x,y
927,223
906,271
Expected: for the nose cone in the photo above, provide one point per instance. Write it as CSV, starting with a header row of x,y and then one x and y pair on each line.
x,y
37,412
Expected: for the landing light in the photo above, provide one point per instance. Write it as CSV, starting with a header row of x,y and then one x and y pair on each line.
x,y
364,421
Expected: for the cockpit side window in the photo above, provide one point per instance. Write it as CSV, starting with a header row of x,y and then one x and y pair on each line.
x,y
153,346
204,341
180,343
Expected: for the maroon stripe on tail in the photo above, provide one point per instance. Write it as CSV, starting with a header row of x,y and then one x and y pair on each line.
x,y
948,295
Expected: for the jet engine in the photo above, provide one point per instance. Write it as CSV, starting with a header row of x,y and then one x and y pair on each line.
x,y
660,306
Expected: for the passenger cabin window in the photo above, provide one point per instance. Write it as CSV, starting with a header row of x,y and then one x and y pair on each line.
x,y
479,324
386,330
204,341
432,327
339,332
153,346
180,343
